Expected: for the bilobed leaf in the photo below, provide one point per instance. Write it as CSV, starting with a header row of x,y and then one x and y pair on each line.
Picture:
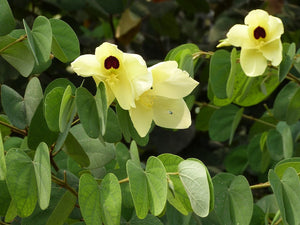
x,y
21,181
32,98
101,103
219,72
111,200
14,106
63,209
224,122
275,145
287,139
73,148
89,199
231,79
66,109
7,21
233,199
2,160
52,103
113,131
59,82
177,195
286,163
38,128
194,178
65,44
87,112
289,51
138,188
134,152
42,168
157,185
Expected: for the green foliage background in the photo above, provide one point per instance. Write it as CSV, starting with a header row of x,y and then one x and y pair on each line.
x,y
57,170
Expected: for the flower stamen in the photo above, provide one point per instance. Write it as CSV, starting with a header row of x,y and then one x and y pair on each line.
x,y
111,62
259,32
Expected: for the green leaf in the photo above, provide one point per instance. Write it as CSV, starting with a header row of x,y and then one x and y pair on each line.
x,y
18,55
21,181
4,198
63,209
224,122
286,193
110,200
148,220
38,128
183,55
134,153
236,161
157,185
7,21
259,159
177,195
219,72
2,160
52,104
65,44
60,82
286,105
287,139
275,145
231,79
5,131
233,199
11,211
289,51
66,109
42,168
14,106
89,199
286,163
203,117
32,98
193,176
101,103
99,154
138,188
75,151
113,132
87,112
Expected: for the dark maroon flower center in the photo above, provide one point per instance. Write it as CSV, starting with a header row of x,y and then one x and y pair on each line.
x,y
111,62
259,32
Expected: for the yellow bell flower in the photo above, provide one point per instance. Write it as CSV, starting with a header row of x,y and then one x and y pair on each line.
x,y
164,103
125,75
259,40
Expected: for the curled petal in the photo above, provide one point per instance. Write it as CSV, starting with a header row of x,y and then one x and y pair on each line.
x,y
236,36
253,62
273,52
170,81
275,28
141,118
171,113
138,73
86,66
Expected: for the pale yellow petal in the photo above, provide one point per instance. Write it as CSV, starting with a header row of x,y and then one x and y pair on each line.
x,y
141,118
253,62
109,94
237,35
275,28
256,17
171,113
86,66
273,51
170,81
123,91
137,73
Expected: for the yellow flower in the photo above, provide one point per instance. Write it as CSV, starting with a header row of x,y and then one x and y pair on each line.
x,y
259,40
164,103
125,75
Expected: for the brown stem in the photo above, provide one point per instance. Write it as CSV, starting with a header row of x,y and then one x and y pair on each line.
x,y
63,184
14,129
22,38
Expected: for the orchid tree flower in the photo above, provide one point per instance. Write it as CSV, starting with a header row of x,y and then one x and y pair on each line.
x,y
164,103
259,40
125,75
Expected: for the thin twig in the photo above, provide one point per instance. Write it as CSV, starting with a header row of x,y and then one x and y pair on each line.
x,y
14,129
205,104
63,184
293,78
